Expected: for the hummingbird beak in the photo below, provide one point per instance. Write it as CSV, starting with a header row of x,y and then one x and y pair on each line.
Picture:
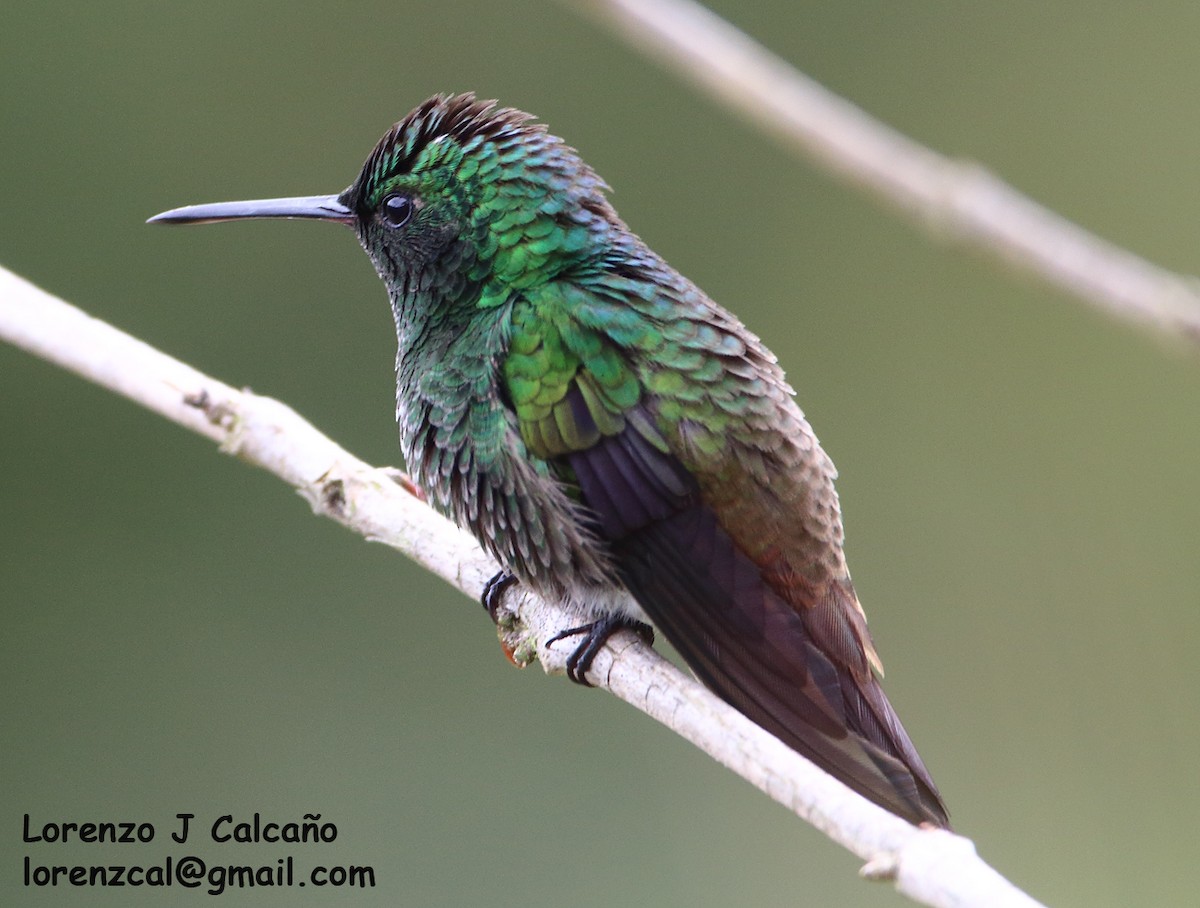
x,y
315,207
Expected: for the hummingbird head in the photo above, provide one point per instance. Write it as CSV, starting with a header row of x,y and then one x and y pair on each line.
x,y
462,185
461,193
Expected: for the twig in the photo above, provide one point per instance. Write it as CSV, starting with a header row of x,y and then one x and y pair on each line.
x,y
957,198
931,866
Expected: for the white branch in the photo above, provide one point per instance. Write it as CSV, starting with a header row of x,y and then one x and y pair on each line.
x,y
934,867
959,199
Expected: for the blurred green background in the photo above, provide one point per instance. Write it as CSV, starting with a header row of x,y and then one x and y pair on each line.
x,y
1019,475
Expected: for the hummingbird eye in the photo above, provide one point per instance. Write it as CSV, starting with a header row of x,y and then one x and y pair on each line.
x,y
396,210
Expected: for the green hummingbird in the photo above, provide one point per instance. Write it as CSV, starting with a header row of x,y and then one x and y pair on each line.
x,y
613,437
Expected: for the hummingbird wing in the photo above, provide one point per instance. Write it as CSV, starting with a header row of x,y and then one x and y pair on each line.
x,y
705,481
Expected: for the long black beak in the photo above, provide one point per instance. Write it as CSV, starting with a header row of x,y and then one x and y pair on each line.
x,y
316,207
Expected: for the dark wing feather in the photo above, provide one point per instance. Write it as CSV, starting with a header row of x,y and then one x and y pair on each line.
x,y
737,633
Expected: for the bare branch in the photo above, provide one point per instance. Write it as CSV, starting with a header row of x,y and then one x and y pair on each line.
x,y
956,198
934,867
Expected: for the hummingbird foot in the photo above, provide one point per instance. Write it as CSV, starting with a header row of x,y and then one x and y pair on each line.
x,y
518,646
402,479
494,592
595,635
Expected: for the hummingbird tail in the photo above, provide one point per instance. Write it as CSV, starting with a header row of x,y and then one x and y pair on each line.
x,y
797,668
751,648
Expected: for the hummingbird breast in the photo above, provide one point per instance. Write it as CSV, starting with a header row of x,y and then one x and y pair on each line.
x,y
462,445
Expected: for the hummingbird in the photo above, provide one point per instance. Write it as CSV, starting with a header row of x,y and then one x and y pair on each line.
x,y
615,439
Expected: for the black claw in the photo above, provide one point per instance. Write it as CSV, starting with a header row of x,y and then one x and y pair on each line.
x,y
493,593
596,634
